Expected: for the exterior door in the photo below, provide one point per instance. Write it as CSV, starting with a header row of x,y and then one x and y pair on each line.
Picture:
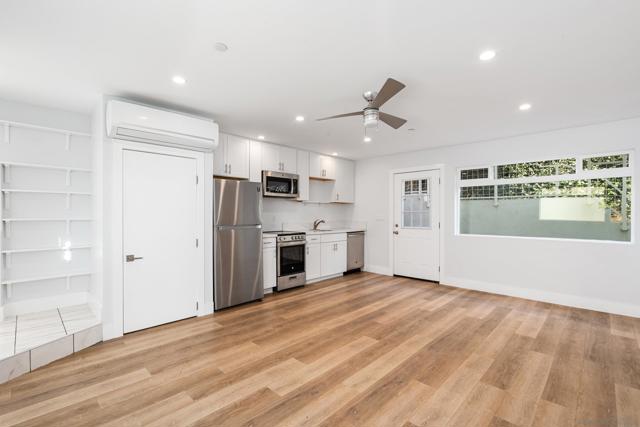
x,y
416,225
161,277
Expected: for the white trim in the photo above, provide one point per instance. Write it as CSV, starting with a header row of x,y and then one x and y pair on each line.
x,y
440,167
205,210
588,303
320,279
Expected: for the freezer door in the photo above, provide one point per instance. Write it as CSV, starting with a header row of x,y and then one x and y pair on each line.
x,y
238,265
237,202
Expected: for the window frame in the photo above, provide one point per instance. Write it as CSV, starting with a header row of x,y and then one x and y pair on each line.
x,y
581,174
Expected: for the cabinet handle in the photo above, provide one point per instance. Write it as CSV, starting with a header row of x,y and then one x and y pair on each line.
x,y
307,250
225,168
229,168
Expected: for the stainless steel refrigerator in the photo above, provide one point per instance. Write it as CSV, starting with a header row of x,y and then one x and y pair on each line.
x,y
237,241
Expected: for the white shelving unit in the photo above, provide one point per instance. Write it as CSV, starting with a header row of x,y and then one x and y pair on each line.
x,y
44,181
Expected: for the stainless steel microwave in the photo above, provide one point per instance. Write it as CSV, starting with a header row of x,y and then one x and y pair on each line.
x,y
279,184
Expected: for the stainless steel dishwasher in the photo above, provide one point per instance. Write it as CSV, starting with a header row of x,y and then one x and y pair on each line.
x,y
355,250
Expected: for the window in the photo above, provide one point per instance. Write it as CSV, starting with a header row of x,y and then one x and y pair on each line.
x,y
416,204
575,198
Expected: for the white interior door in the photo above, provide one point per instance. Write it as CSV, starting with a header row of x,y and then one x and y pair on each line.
x,y
416,225
159,231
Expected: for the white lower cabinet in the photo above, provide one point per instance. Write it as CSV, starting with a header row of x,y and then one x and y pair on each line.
x,y
313,261
269,263
333,254
334,258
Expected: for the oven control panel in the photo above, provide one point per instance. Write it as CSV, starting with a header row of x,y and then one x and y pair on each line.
x,y
292,238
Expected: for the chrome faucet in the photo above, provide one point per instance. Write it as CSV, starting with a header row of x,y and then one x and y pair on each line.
x,y
317,223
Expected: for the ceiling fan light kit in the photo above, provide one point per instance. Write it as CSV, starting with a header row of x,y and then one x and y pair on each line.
x,y
371,113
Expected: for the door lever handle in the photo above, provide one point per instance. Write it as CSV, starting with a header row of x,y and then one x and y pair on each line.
x,y
131,258
396,232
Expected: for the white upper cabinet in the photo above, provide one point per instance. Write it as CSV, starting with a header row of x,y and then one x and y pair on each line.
x,y
270,157
279,158
343,190
288,159
303,175
321,166
255,161
231,159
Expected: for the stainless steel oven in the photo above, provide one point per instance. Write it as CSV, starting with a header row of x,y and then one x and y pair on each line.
x,y
279,184
290,249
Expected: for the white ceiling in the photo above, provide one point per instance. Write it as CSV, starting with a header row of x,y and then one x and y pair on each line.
x,y
576,61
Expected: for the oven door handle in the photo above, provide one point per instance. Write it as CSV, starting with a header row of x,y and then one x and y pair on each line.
x,y
285,244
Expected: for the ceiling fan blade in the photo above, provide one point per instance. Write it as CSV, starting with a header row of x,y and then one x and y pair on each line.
x,y
393,121
389,89
355,113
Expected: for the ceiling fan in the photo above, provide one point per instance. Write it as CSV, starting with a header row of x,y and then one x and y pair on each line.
x,y
371,112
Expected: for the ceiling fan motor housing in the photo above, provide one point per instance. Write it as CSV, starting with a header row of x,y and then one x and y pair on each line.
x,y
371,117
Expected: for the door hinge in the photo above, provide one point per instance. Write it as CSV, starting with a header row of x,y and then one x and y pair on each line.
x,y
438,225
197,243
197,305
438,269
439,181
197,180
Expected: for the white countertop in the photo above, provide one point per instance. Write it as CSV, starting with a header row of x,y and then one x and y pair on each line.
x,y
319,232
334,231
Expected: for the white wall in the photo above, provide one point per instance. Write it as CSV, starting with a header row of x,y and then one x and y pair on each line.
x,y
49,117
597,275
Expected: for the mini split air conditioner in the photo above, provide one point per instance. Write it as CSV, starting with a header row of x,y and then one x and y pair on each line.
x,y
139,123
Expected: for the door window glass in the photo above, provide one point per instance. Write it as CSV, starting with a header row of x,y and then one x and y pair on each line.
x,y
416,203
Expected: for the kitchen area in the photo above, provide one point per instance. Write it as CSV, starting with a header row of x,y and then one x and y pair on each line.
x,y
282,219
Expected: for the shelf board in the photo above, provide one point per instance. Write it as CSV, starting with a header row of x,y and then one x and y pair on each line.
x,y
48,277
44,128
49,249
44,166
44,219
16,190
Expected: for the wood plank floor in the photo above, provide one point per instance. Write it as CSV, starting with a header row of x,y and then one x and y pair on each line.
x,y
363,350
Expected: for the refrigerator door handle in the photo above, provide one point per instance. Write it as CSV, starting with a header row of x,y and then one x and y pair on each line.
x,y
231,227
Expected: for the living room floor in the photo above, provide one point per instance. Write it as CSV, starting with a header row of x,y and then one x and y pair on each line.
x,y
361,350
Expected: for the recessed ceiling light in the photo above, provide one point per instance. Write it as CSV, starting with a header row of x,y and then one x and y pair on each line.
x,y
367,139
411,129
179,80
143,117
299,118
524,107
260,136
487,55
334,154
221,47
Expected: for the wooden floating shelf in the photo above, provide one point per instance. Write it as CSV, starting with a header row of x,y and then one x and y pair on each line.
x,y
43,166
72,193
49,277
49,249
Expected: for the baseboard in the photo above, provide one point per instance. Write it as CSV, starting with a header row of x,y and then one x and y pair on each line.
x,y
46,303
378,269
323,278
595,304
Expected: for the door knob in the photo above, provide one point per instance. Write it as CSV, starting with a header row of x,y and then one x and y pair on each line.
x,y
131,258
